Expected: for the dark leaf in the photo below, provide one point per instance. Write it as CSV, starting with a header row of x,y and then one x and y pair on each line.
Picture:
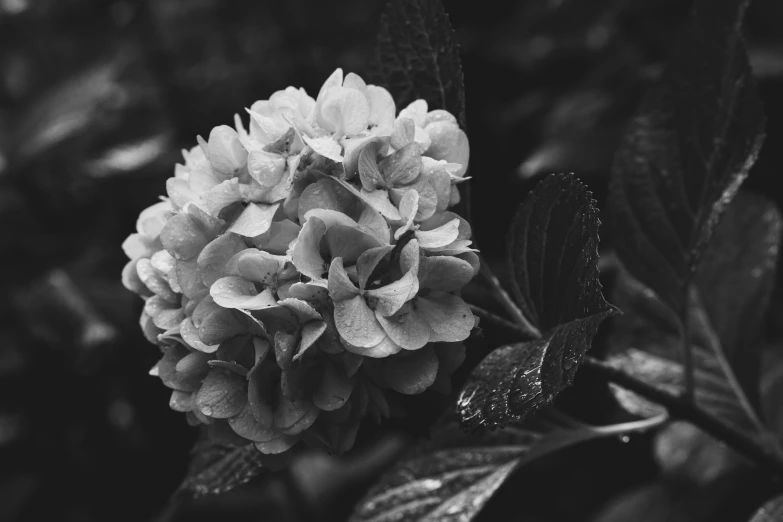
x,y
452,476
735,279
216,469
772,511
772,390
554,254
417,56
686,152
686,453
646,344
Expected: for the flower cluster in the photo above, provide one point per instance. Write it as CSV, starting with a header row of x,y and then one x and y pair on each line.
x,y
302,268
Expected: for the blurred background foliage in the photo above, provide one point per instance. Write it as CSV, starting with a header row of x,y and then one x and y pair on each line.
x,y
97,98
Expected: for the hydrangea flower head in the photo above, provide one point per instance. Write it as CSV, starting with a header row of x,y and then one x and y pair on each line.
x,y
303,269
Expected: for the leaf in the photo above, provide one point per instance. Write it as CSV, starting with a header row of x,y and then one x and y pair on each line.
x,y
418,56
217,469
735,279
771,389
452,476
771,511
554,255
686,152
646,344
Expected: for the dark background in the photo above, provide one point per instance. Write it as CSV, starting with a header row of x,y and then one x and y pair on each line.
x,y
97,98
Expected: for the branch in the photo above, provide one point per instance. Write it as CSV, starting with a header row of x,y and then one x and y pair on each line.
x,y
497,320
530,331
687,411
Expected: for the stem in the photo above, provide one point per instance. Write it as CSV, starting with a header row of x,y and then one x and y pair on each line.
x,y
688,411
511,307
496,319
687,355
172,506
637,425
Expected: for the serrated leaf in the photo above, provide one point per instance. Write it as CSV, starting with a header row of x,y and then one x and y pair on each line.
x,y
554,255
686,152
451,477
771,511
417,56
218,469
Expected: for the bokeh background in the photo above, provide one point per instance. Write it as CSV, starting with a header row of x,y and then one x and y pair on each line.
x,y
97,98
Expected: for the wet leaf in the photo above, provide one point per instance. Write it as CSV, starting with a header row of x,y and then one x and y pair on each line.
x,y
452,476
685,154
219,469
554,255
418,57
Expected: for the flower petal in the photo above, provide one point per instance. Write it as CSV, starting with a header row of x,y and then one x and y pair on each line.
x,y
212,260
131,280
238,292
354,81
410,257
189,279
306,253
379,200
310,292
442,218
154,280
134,246
439,237
334,390
190,334
311,332
439,115
405,328
266,168
254,220
413,373
326,146
369,174
446,273
449,143
279,237
403,133
384,348
341,288
288,412
301,309
183,238
226,153
401,167
448,316
245,425
222,395
221,325
382,108
255,265
276,446
417,111
356,323
367,262
285,346
348,243
325,194
343,111
388,299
